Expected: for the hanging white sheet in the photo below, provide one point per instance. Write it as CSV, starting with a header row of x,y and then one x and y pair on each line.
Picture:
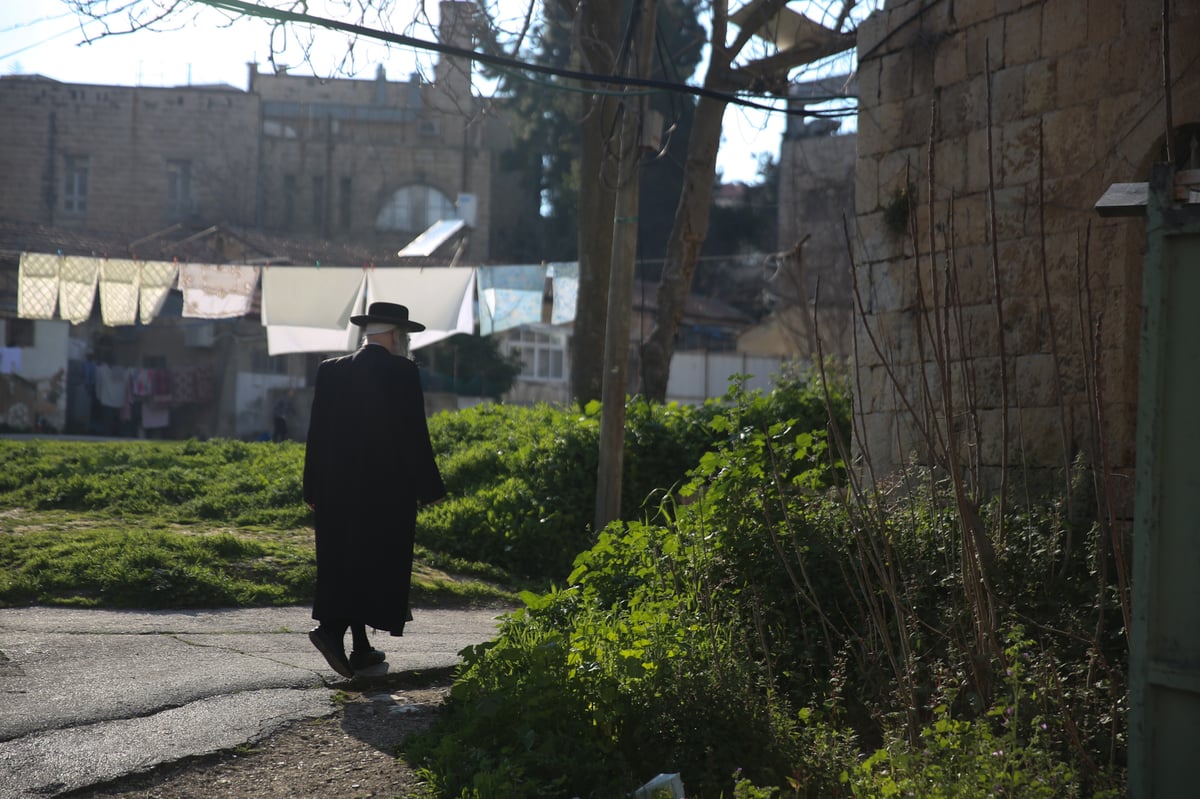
x,y
212,291
77,279
118,291
440,297
285,339
311,296
37,285
155,282
565,282
509,296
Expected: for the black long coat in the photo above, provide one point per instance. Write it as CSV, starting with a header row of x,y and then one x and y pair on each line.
x,y
368,464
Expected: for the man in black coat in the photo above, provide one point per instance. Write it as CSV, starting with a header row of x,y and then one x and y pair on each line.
x,y
368,466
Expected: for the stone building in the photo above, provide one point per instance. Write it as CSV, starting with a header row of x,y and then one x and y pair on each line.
x,y
292,170
816,200
1002,312
373,162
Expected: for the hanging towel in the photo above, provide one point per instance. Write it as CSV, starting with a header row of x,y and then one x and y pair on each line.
x,y
565,280
310,296
438,297
112,383
217,291
155,416
77,277
155,282
509,296
465,323
118,292
284,339
37,285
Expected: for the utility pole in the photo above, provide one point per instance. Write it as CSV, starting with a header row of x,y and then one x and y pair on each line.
x,y
620,289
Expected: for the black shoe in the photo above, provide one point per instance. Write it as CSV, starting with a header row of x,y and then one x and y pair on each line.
x,y
366,659
335,655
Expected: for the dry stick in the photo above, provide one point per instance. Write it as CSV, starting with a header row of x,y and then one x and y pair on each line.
x,y
970,551
977,555
1118,547
870,554
1103,475
1166,64
805,591
1084,298
970,388
924,326
1118,544
862,312
1058,378
856,400
999,302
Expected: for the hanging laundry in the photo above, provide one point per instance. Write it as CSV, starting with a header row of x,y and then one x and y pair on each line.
x,y
509,296
565,282
183,386
118,292
10,360
112,383
37,285
154,284
155,416
441,298
311,296
77,277
212,291
285,339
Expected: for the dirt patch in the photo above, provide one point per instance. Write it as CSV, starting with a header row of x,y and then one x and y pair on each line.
x,y
350,754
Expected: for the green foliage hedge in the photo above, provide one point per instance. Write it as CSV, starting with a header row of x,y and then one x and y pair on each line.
x,y
522,481
765,625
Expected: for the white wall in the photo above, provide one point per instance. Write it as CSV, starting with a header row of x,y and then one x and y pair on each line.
x,y
697,376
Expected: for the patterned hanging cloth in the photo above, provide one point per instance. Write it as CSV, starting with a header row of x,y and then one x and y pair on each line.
x,y
37,285
155,281
566,291
119,292
77,287
212,291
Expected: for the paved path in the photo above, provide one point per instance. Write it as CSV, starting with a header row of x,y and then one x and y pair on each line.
x,y
87,696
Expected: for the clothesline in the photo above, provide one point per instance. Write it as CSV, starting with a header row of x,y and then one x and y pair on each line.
x,y
304,308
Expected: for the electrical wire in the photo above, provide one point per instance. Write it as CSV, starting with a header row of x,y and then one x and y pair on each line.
x,y
280,15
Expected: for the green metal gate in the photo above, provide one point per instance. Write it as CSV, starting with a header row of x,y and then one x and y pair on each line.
x,y
1164,723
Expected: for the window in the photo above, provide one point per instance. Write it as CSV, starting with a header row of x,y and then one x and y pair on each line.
x,y
543,354
412,209
18,332
318,203
75,184
179,188
289,200
344,195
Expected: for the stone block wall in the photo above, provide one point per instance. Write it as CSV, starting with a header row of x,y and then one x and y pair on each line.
x,y
343,146
816,199
128,135
1001,312
377,136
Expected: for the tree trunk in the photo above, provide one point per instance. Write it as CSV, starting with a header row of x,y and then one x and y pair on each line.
x,y
683,247
598,23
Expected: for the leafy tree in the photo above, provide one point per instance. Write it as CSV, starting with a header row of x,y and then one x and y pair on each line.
x,y
754,56
471,365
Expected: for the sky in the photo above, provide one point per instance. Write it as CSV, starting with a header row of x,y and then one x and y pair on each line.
x,y
45,37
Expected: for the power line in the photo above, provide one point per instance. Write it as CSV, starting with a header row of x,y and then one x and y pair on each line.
x,y
20,50
504,62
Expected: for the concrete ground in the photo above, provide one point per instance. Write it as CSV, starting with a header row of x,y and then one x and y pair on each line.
x,y
87,696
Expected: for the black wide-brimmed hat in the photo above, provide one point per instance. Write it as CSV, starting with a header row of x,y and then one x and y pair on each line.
x,y
387,313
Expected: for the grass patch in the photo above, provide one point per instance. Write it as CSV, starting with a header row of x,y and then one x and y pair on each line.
x,y
165,524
